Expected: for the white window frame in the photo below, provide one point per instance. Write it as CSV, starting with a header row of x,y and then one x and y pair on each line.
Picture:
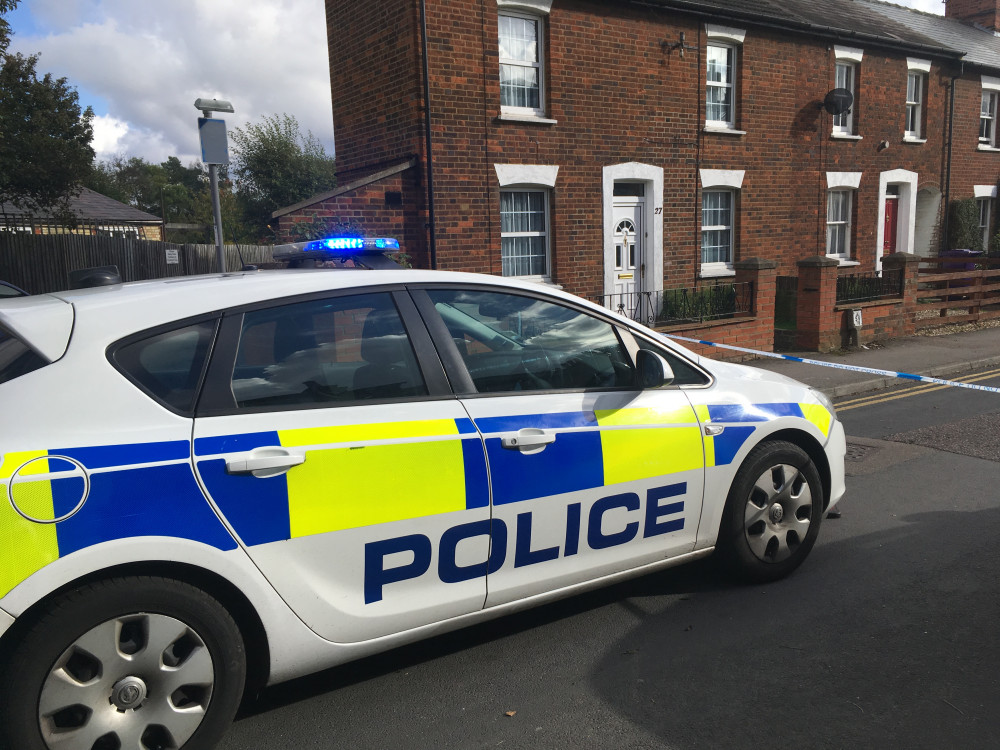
x,y
546,233
988,116
844,222
985,206
538,65
843,124
732,52
914,127
718,268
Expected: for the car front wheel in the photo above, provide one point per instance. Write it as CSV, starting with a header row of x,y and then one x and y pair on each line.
x,y
140,662
772,513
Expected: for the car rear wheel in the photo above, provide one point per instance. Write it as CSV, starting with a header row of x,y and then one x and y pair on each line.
x,y
772,513
139,662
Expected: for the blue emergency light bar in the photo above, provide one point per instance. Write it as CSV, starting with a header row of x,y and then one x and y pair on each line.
x,y
366,251
381,244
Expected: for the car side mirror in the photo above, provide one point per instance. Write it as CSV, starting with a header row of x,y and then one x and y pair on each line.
x,y
654,370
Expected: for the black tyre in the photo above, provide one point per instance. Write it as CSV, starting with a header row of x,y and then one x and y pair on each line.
x,y
772,514
139,662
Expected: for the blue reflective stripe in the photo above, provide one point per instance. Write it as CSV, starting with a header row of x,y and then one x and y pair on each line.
x,y
557,421
573,462
212,446
728,444
477,483
465,427
105,456
153,501
256,508
752,412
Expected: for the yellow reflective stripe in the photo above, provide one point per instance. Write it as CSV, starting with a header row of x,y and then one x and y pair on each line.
x,y
359,433
709,451
638,417
641,454
344,488
702,411
27,546
819,416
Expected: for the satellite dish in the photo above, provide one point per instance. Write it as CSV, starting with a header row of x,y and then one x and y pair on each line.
x,y
838,101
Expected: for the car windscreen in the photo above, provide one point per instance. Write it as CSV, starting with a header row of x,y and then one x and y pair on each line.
x,y
16,357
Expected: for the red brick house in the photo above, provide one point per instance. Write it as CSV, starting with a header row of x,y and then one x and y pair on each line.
x,y
635,146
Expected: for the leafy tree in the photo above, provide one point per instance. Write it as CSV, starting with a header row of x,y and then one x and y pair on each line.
x,y
6,6
45,148
275,165
45,139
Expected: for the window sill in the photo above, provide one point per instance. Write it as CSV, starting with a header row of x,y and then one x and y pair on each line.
x,y
844,263
533,119
716,273
845,137
540,280
911,139
722,130
987,147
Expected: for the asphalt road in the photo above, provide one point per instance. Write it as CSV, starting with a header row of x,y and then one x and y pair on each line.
x,y
886,637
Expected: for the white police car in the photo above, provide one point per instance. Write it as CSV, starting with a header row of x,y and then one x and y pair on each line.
x,y
220,481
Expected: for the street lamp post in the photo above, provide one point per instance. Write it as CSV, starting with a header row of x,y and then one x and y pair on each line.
x,y
214,151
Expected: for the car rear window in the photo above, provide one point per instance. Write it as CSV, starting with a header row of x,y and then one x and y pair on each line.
x,y
16,357
169,365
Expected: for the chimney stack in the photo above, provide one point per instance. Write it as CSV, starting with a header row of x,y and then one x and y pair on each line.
x,y
982,12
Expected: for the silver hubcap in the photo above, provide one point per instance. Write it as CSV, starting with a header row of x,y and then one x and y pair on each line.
x,y
778,513
137,682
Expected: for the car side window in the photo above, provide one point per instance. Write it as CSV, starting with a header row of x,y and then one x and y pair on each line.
x,y
512,342
684,372
343,349
169,365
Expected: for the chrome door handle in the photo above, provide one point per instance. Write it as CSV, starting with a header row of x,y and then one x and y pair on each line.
x,y
529,440
262,464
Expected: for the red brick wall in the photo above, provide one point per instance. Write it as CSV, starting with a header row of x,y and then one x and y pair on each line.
x,y
984,12
376,79
621,92
368,209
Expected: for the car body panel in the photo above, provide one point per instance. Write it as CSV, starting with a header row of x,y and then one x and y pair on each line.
x,y
411,544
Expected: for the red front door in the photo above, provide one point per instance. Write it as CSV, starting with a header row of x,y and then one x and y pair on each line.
x,y
889,236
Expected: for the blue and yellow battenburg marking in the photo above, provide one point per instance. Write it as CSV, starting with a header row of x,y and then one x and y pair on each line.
x,y
738,419
132,494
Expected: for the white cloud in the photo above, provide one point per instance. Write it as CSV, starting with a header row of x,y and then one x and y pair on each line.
x,y
149,60
928,6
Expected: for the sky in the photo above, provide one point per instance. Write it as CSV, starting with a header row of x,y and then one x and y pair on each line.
x,y
142,63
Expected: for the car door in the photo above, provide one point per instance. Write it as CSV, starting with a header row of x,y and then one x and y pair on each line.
x,y
589,474
329,440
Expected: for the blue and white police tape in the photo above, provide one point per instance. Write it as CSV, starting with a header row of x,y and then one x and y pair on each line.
x,y
838,366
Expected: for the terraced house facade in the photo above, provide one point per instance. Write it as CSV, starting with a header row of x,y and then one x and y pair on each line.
x,y
631,146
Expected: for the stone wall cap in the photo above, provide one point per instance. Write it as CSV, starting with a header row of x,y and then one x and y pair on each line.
x,y
818,261
755,264
900,259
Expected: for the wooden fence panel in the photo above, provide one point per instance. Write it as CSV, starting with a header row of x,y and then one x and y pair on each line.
x,y
42,263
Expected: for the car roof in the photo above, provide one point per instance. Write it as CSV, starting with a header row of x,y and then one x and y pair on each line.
x,y
108,313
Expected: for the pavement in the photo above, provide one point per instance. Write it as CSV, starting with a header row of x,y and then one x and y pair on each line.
x,y
942,356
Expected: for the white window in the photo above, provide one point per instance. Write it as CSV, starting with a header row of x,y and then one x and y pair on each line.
x,y
838,223
717,229
984,220
521,64
524,232
720,101
846,73
987,119
914,104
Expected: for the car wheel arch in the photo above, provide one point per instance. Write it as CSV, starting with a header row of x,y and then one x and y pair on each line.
x,y
224,591
813,449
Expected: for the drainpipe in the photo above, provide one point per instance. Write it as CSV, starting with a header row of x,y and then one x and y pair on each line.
x,y
429,143
947,179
